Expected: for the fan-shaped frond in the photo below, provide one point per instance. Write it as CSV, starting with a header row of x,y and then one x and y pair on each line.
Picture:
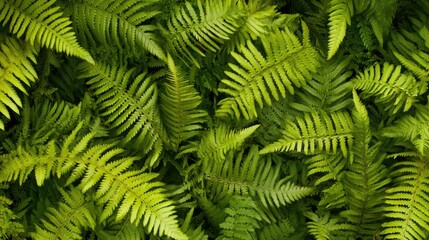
x,y
67,220
205,29
119,23
257,79
251,175
179,101
42,23
340,14
316,132
396,90
129,104
16,71
242,220
407,202
366,179
329,89
326,227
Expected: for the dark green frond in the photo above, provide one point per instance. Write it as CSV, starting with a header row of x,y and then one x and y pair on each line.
x,y
68,220
119,23
396,90
179,101
326,227
329,89
406,210
16,73
316,132
256,79
282,229
366,180
128,103
41,22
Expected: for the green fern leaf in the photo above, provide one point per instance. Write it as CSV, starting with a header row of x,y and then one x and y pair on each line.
x,y
326,227
192,31
179,102
407,202
250,175
366,180
42,23
68,219
258,79
330,89
340,14
316,132
16,71
129,105
119,23
242,221
394,89
331,166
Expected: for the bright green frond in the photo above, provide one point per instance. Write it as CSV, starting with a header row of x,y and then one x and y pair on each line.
x,y
257,80
316,132
216,143
406,210
396,90
255,176
340,14
128,103
41,22
192,30
119,23
16,73
67,220
10,226
331,166
179,101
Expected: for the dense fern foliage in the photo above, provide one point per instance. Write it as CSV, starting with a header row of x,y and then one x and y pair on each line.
x,y
214,119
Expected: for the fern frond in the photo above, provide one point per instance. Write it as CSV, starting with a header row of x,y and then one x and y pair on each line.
x,y
366,179
282,229
340,14
120,231
10,227
179,101
407,202
16,72
326,227
242,221
413,129
42,22
67,220
316,132
129,104
331,166
381,15
216,143
251,175
119,23
258,79
329,90
396,90
205,29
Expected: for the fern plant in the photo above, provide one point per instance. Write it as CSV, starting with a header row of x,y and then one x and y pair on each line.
x,y
228,119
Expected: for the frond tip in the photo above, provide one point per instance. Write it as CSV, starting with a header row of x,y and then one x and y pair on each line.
x,y
42,23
